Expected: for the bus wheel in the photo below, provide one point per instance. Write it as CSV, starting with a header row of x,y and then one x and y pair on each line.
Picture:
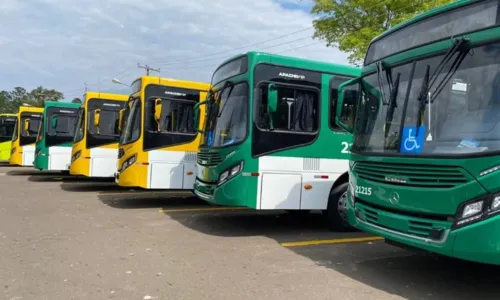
x,y
335,215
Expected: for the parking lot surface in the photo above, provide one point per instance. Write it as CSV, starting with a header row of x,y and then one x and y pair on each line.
x,y
73,238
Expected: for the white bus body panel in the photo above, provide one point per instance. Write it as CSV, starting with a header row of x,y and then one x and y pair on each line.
x,y
103,162
59,158
28,155
282,182
171,169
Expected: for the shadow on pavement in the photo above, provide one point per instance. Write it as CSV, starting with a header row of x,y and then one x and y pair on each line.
x,y
94,185
381,266
137,199
278,225
29,171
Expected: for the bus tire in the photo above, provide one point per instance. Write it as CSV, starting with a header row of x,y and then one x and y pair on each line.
x,y
335,215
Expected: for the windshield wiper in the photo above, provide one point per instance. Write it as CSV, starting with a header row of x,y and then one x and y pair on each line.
x,y
462,46
379,79
392,105
226,85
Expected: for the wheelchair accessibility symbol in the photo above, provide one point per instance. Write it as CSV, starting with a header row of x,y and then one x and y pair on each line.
x,y
411,143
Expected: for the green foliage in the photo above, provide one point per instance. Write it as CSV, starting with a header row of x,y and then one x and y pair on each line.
x,y
76,100
352,24
11,100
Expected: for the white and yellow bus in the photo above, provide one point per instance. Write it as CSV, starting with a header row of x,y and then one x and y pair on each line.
x,y
95,147
160,137
28,120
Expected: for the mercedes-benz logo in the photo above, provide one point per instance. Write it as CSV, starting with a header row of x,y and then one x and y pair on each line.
x,y
394,198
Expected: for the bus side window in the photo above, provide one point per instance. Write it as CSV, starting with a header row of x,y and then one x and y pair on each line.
x,y
351,95
297,110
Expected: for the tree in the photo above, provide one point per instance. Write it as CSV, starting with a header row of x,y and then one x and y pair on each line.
x,y
40,95
352,24
76,100
11,100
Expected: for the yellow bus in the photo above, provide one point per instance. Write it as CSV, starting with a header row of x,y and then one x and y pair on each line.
x,y
28,120
160,137
95,146
7,124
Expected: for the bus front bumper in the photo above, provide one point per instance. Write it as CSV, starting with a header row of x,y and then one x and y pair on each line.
x,y
231,193
476,242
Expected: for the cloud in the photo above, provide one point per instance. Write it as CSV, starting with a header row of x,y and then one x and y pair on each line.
x,y
63,43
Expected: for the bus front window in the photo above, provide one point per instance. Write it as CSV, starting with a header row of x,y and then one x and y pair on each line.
x,y
460,117
7,128
228,124
80,126
132,123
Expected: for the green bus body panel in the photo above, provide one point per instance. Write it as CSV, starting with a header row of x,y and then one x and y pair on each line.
x,y
41,161
5,147
242,190
418,211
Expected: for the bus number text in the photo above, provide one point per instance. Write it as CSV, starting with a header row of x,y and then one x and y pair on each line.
x,y
346,147
363,190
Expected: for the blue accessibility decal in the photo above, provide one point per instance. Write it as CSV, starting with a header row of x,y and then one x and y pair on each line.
x,y
410,141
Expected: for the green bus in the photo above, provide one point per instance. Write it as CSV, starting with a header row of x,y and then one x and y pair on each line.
x,y
270,141
425,162
55,136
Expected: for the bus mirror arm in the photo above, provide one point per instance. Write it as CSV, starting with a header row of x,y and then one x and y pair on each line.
x,y
120,119
27,126
53,122
196,115
97,118
158,109
340,104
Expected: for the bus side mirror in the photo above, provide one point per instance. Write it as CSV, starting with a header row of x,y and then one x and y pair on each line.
x,y
120,119
158,108
97,118
196,116
27,126
340,104
272,98
54,122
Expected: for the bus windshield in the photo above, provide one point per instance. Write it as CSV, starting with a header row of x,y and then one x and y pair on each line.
x,y
131,129
459,114
80,125
62,122
227,113
7,125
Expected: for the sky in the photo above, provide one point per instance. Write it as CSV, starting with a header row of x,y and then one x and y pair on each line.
x,y
65,44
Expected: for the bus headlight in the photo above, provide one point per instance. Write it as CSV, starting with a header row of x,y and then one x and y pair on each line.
x,y
76,155
130,161
472,209
230,172
495,204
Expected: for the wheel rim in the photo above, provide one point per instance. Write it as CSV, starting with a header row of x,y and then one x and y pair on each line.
x,y
342,206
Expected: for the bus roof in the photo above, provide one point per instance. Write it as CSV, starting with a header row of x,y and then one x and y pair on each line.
x,y
205,86
432,26
423,16
24,108
92,94
302,63
61,104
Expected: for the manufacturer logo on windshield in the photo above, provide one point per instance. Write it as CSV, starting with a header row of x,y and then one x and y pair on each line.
x,y
394,198
175,93
294,76
396,179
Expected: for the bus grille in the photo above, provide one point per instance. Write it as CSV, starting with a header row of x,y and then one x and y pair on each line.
x,y
420,227
209,158
414,175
